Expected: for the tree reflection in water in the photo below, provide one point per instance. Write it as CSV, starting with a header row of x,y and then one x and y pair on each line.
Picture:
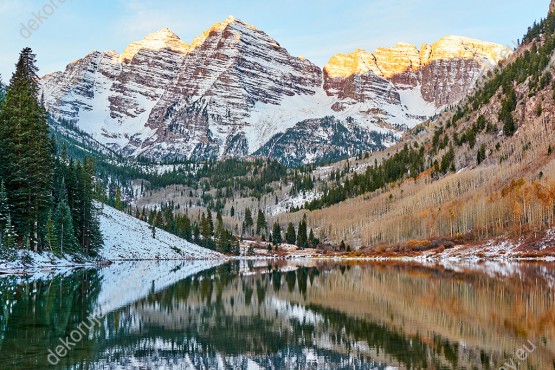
x,y
280,315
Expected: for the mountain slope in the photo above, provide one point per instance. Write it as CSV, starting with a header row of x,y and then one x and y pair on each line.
x,y
234,88
127,238
486,171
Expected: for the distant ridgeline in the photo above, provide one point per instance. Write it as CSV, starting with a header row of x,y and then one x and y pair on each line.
x,y
46,199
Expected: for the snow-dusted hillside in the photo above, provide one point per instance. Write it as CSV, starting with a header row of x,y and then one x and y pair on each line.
x,y
232,90
127,238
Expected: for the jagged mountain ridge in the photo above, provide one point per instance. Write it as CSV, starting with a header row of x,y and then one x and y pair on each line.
x,y
441,72
231,90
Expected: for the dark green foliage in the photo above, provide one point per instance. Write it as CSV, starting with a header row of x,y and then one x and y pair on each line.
x,y
201,231
118,199
49,199
481,155
408,162
261,223
448,161
205,230
52,233
248,222
343,247
302,237
26,166
506,114
74,181
290,235
276,234
313,242
469,135
65,231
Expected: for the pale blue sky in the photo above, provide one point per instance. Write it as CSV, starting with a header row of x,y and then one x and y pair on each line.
x,y
315,29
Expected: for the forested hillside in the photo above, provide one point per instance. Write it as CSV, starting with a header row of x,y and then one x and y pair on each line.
x,y
46,198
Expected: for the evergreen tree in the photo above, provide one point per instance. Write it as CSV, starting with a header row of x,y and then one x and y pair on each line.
x,y
187,230
220,233
248,223
276,234
65,232
88,232
9,234
481,155
159,220
290,235
26,166
312,240
302,238
507,107
205,230
196,233
118,198
260,222
210,222
51,233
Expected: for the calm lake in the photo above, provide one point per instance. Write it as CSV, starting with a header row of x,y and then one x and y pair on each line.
x,y
281,315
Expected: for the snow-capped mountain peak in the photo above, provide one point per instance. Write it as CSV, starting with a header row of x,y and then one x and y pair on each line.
x,y
440,73
451,47
234,88
163,39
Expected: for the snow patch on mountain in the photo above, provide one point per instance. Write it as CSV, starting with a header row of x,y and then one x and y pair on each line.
x,y
297,201
127,238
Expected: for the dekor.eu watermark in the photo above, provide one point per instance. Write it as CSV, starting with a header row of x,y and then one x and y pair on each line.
x,y
83,330
87,327
520,356
39,17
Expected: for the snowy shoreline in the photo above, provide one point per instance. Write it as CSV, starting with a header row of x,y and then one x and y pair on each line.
x,y
126,239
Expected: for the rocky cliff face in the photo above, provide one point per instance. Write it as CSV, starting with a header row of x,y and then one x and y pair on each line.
x,y
232,69
440,74
234,88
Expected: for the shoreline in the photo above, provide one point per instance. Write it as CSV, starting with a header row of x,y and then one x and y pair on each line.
x,y
21,270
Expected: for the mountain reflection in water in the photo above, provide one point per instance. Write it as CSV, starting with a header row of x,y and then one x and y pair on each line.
x,y
283,315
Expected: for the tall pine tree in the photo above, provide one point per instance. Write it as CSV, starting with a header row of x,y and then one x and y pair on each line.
x,y
26,148
290,234
261,223
248,222
302,237
276,234
65,231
